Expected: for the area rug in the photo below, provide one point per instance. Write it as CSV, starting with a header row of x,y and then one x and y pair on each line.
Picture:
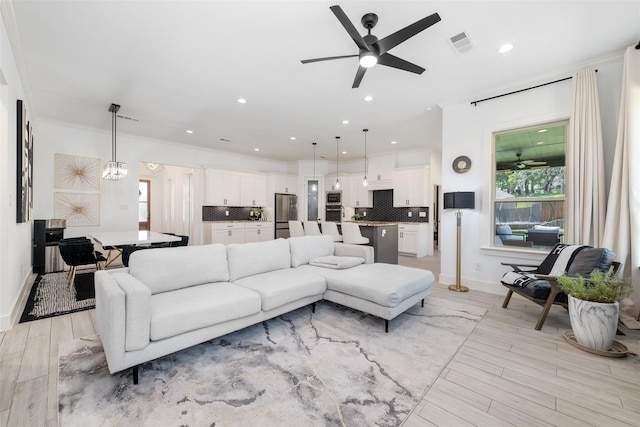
x,y
334,367
50,295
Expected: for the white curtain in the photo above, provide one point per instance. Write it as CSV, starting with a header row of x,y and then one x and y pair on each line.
x,y
585,164
622,229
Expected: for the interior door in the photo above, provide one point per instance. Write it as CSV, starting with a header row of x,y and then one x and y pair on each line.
x,y
144,205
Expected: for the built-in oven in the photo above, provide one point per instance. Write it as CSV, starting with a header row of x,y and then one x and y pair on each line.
x,y
333,213
334,198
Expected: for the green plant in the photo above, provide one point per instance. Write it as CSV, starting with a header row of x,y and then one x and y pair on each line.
x,y
356,216
601,287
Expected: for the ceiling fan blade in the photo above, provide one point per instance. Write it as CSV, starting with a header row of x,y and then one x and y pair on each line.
x,y
407,32
359,76
395,62
328,58
346,23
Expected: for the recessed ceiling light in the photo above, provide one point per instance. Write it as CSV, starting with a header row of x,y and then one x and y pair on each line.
x,y
368,98
505,48
293,138
256,149
344,152
542,130
539,142
345,122
189,131
394,142
242,100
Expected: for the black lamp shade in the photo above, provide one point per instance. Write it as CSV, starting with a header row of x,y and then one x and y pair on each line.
x,y
460,200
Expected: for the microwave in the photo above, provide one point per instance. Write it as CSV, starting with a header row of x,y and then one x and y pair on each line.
x,y
334,197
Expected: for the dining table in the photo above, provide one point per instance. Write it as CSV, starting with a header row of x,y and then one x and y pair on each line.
x,y
114,241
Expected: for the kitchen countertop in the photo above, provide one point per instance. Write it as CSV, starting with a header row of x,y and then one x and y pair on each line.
x,y
385,223
236,221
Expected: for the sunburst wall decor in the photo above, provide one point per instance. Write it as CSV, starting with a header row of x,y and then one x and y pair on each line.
x,y
77,173
79,209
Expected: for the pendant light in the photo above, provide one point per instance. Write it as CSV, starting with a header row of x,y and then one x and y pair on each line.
x,y
337,164
114,170
314,187
364,181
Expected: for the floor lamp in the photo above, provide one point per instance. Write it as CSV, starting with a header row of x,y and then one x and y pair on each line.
x,y
459,200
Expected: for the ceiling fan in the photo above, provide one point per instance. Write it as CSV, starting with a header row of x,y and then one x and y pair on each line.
x,y
521,164
374,51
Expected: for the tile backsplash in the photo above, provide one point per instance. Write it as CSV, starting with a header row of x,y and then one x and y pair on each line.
x,y
219,213
383,210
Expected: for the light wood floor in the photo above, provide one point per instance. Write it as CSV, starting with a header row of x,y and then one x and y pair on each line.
x,y
506,373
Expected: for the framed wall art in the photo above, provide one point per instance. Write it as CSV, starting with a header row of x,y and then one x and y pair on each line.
x,y
79,209
76,173
24,165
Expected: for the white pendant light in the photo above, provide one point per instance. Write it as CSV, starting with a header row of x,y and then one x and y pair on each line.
x,y
364,181
337,164
314,187
114,170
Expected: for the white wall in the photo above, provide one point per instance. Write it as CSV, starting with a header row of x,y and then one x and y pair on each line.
x,y
467,130
15,239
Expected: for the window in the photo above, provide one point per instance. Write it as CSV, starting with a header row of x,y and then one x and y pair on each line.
x,y
529,182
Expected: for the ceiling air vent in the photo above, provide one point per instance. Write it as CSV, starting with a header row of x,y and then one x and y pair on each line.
x,y
461,43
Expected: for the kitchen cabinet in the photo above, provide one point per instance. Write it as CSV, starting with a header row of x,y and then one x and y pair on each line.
x,y
287,184
258,231
413,239
226,232
380,172
359,196
253,190
223,188
410,187
330,184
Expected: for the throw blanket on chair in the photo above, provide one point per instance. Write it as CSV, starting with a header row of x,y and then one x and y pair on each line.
x,y
556,263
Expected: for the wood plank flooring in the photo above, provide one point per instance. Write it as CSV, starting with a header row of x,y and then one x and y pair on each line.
x,y
506,373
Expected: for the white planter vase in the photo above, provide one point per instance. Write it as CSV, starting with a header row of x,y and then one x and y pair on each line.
x,y
594,324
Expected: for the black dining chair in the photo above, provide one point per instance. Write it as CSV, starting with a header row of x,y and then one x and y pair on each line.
x,y
79,251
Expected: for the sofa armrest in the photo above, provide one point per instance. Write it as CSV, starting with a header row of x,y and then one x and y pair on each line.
x,y
110,319
137,311
361,251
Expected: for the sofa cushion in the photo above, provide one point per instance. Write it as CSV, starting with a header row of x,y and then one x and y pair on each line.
x,y
165,269
384,284
336,262
280,287
195,307
247,259
306,248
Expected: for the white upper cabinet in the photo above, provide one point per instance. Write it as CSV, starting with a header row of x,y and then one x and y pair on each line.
x,y
410,187
380,172
223,188
253,190
359,196
287,184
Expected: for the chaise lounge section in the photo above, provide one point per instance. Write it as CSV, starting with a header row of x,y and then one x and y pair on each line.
x,y
173,298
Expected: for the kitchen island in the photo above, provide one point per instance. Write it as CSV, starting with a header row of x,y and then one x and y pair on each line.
x,y
383,236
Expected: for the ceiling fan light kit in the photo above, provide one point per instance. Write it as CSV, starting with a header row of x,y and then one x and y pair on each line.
x,y
374,51
114,170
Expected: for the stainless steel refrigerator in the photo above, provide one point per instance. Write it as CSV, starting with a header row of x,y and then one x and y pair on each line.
x,y
286,208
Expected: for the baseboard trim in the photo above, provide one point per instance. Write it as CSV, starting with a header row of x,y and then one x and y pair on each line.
x,y
9,321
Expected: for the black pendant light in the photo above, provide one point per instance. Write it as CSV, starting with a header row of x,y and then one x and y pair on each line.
x,y
114,170
337,164
364,181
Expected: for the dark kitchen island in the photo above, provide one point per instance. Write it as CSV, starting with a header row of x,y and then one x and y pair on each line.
x,y
383,236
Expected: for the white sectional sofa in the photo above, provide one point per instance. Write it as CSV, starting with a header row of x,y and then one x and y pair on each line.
x,y
173,298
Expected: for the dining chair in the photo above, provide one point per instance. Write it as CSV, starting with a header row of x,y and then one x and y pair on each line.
x,y
331,228
295,229
311,228
351,234
76,252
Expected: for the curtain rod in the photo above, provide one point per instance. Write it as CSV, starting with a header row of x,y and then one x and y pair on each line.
x,y
475,103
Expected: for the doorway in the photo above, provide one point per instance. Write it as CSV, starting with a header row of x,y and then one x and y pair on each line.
x,y
144,203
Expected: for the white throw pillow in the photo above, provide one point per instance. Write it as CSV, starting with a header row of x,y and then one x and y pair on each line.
x,y
306,248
